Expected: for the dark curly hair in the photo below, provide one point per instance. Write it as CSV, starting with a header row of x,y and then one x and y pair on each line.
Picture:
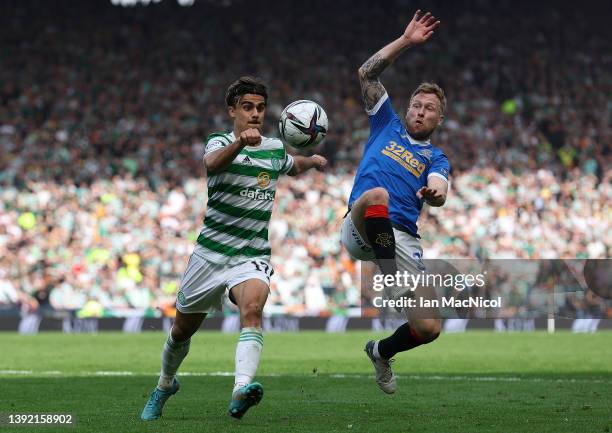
x,y
242,86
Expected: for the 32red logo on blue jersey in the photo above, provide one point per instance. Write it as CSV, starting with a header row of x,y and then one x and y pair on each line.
x,y
406,158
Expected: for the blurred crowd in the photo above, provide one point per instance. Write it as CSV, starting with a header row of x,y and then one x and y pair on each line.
x,y
104,111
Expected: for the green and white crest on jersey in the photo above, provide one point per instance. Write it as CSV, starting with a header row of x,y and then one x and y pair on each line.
x,y
276,164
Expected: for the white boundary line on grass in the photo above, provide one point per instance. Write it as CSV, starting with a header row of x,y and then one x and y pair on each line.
x,y
55,373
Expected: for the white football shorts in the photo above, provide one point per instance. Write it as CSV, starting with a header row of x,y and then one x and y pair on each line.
x,y
204,283
408,250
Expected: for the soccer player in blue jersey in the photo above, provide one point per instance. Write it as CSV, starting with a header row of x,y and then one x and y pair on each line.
x,y
399,171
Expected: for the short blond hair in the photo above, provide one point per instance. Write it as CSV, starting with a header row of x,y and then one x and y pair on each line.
x,y
431,88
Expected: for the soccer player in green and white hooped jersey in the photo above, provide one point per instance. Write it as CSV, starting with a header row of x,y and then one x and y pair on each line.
x,y
232,252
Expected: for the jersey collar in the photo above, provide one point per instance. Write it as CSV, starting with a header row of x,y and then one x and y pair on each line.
x,y
407,136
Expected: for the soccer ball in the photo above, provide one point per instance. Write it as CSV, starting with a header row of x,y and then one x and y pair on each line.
x,y
303,124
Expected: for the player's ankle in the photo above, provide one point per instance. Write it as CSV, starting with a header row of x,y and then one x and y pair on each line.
x,y
165,382
236,394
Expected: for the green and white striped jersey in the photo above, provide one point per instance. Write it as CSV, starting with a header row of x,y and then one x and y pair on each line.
x,y
240,201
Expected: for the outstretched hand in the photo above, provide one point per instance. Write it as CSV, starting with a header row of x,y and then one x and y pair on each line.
x,y
319,161
429,195
420,28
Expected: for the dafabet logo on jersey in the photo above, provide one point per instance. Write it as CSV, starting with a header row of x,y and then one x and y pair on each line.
x,y
256,194
405,158
263,179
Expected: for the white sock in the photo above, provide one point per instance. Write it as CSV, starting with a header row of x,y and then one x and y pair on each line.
x,y
248,351
172,356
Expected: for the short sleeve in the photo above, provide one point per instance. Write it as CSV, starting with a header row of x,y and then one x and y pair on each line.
x,y
214,144
381,115
288,164
440,167
216,141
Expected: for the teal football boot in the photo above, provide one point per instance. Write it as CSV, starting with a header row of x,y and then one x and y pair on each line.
x,y
247,396
159,397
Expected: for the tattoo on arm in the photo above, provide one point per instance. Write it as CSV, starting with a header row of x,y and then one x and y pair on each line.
x,y
371,87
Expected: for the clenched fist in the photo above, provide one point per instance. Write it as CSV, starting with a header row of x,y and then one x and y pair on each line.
x,y
250,137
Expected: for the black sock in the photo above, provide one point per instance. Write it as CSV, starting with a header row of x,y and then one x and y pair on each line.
x,y
404,338
380,237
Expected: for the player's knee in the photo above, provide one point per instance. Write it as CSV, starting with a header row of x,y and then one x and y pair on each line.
x,y
180,334
251,312
428,331
377,196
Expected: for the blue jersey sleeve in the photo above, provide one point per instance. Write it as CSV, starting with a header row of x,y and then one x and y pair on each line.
x,y
380,116
440,167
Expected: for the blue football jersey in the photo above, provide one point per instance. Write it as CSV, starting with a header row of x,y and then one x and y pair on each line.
x,y
398,163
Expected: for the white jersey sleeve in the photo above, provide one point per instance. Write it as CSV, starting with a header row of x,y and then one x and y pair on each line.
x,y
216,142
288,164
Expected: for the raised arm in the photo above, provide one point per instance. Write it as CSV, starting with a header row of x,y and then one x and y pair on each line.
x,y
418,31
220,159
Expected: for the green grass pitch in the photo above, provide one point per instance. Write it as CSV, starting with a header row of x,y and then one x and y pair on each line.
x,y
317,382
